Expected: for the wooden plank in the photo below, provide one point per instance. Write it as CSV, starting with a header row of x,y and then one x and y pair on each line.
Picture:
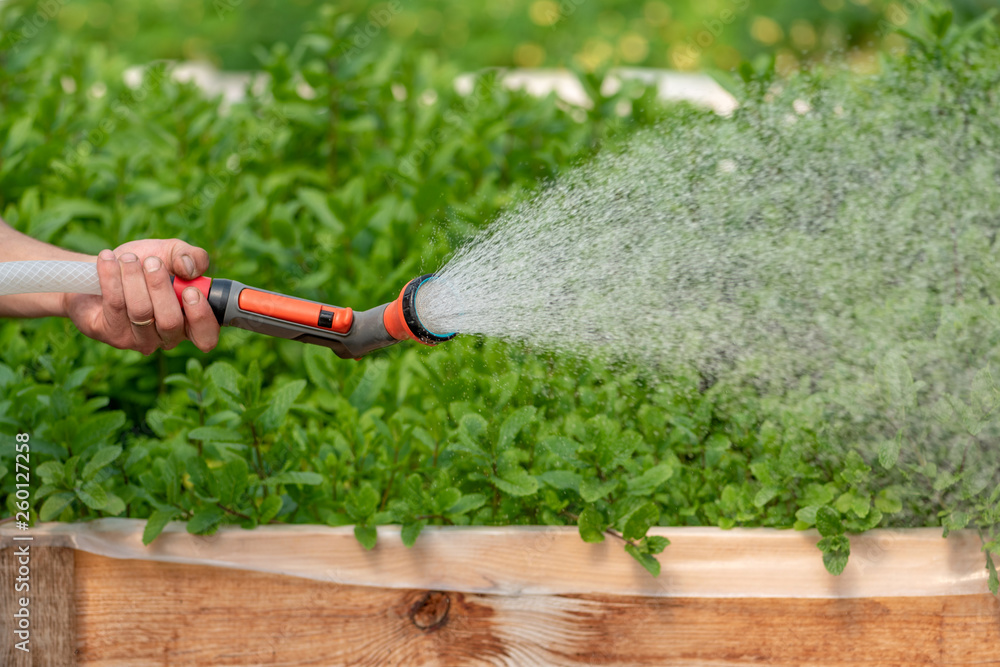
x,y
51,610
136,613
553,560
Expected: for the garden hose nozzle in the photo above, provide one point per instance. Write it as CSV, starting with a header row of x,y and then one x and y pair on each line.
x,y
350,334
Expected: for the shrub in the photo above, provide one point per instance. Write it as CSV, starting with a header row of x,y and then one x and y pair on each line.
x,y
338,182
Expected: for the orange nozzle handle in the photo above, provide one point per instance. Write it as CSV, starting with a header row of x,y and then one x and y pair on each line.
x,y
290,309
276,306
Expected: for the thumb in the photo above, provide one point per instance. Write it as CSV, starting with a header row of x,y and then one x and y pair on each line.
x,y
186,260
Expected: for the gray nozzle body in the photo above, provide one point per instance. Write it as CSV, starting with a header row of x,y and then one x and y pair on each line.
x,y
367,332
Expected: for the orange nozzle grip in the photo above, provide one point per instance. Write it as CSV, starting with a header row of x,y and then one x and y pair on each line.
x,y
295,310
202,284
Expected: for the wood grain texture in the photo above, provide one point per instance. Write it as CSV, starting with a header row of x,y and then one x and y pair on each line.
x,y
137,613
52,639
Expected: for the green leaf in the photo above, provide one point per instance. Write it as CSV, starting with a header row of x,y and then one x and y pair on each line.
x,y
853,501
93,495
828,522
205,521
640,521
855,471
564,448
467,503
942,22
179,379
97,428
513,424
410,532
591,525
594,489
269,508
17,135
888,453
474,425
317,203
897,382
102,457
278,406
945,480
807,515
51,472
224,378
655,544
157,521
516,482
648,482
229,481
647,561
956,520
215,434
835,561
888,502
295,477
54,505
445,498
561,479
362,504
994,581
367,535
765,495
69,469
114,505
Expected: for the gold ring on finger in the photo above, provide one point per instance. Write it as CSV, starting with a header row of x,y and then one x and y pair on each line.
x,y
145,323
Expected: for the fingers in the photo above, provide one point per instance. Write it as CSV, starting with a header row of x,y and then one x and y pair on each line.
x,y
168,318
137,288
113,300
188,261
138,304
202,327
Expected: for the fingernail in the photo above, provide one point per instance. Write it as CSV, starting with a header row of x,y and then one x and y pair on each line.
x,y
129,257
151,264
106,255
191,295
188,264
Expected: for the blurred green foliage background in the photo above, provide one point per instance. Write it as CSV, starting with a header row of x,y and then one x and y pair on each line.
x,y
527,33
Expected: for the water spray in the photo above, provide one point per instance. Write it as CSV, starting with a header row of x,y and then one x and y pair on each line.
x,y
350,334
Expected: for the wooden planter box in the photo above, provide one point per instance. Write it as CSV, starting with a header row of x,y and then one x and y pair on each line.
x,y
310,595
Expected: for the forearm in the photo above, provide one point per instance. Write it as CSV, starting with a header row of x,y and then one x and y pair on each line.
x,y
15,246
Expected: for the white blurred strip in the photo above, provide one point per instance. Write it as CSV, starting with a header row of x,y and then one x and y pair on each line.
x,y
553,560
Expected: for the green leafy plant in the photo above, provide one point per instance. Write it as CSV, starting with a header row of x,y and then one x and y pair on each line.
x,y
345,178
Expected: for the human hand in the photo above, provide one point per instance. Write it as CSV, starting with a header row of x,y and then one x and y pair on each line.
x,y
137,308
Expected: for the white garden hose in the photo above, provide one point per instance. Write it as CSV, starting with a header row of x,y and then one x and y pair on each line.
x,y
48,276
